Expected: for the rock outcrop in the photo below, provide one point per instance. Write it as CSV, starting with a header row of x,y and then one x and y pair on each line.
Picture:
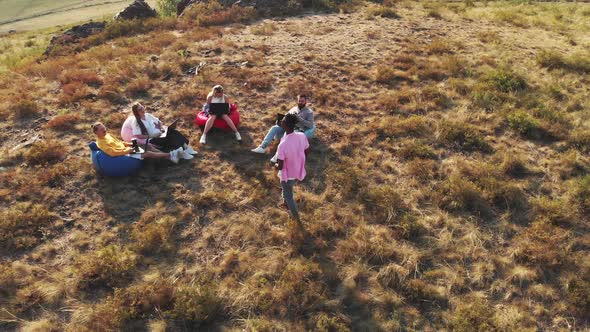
x,y
73,35
139,9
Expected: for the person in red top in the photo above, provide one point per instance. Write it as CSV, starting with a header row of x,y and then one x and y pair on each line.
x,y
291,154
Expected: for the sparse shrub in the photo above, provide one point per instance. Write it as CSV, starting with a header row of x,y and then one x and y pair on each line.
x,y
578,294
414,126
213,13
392,275
389,75
64,122
456,66
45,152
506,80
555,211
261,82
266,29
145,299
430,70
462,136
73,92
24,108
511,17
434,96
513,165
509,197
409,227
183,96
439,46
85,76
139,87
385,202
418,290
112,94
530,246
110,266
22,225
154,236
416,149
553,60
196,304
581,191
580,140
54,175
326,323
383,11
472,316
486,97
109,315
434,13
524,124
458,194
167,7
422,169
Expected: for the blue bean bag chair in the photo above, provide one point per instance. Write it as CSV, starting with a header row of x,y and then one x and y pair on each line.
x,y
113,166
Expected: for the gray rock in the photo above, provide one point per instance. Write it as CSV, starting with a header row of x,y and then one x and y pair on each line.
x,y
73,35
139,9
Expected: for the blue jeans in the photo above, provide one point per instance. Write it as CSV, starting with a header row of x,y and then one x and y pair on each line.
x,y
276,132
288,197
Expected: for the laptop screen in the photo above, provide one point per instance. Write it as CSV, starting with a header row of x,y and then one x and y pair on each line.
x,y
218,107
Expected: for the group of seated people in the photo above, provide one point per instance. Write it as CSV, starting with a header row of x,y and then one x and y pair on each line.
x,y
147,130
158,141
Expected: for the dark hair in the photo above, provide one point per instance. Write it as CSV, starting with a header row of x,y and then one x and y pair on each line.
x,y
135,109
291,121
302,96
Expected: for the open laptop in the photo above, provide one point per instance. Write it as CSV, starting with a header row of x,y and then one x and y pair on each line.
x,y
219,108
171,126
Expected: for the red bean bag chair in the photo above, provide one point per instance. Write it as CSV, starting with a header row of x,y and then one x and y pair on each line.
x,y
234,115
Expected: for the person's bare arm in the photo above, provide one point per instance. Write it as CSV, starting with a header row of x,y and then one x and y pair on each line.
x,y
227,99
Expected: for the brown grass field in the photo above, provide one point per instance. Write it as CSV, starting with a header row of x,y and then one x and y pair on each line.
x,y
448,185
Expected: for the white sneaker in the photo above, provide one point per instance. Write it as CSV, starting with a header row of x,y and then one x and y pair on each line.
x,y
238,137
274,159
259,149
188,149
203,139
185,155
174,156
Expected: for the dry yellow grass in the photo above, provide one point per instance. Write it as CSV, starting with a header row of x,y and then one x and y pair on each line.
x,y
447,185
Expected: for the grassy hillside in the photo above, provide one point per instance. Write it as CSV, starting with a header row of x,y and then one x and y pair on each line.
x,y
448,185
24,15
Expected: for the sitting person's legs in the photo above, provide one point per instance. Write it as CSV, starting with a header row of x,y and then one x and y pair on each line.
x,y
275,132
208,126
230,123
310,132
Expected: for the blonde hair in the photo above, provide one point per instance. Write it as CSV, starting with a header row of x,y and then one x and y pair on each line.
x,y
216,88
95,126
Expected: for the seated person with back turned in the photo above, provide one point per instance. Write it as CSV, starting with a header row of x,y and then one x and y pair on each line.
x,y
305,124
114,147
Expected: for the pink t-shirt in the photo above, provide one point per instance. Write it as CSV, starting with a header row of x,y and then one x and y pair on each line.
x,y
291,151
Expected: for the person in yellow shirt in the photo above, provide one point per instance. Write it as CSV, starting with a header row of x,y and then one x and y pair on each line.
x,y
114,147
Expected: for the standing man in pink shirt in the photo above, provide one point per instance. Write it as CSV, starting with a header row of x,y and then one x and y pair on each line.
x,y
291,155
